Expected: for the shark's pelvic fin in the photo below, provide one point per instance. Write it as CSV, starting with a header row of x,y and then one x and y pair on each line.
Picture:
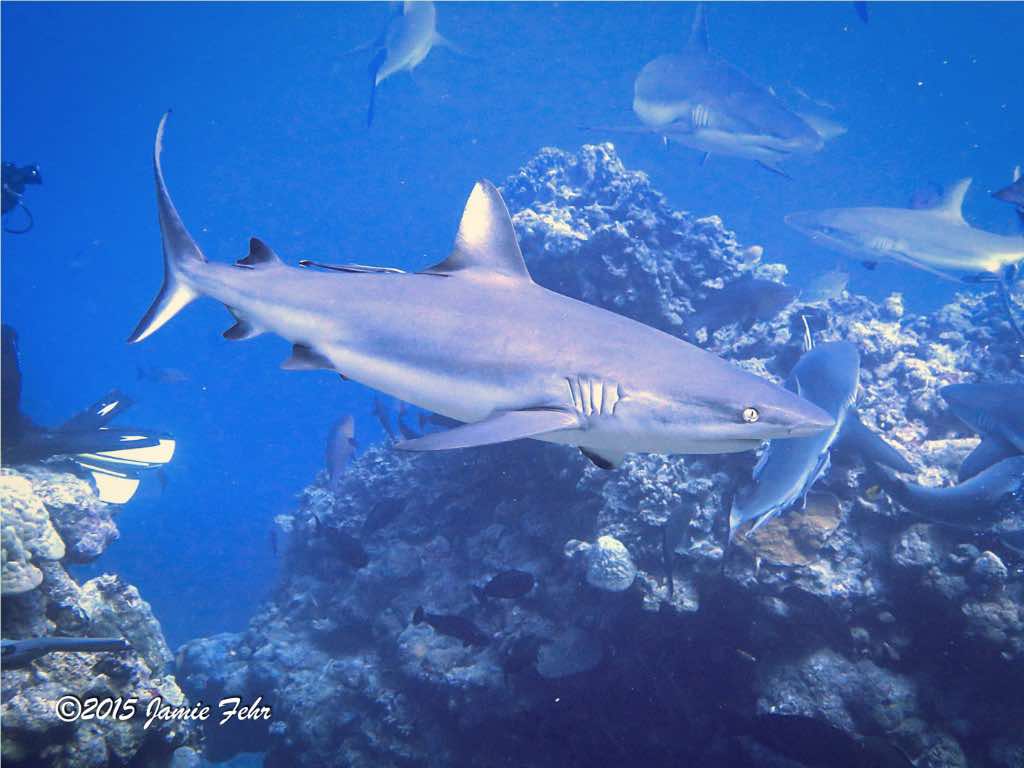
x,y
486,240
260,255
952,203
179,249
305,358
500,427
856,437
242,329
604,459
991,450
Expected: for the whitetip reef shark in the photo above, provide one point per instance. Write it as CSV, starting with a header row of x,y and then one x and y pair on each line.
x,y
474,338
702,101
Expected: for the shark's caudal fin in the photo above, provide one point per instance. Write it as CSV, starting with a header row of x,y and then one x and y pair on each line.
x,y
179,250
699,29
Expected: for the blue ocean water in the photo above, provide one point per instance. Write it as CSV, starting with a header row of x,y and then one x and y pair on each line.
x,y
268,138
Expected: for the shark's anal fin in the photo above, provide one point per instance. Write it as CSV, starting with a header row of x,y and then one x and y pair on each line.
x,y
854,436
305,358
260,255
500,427
603,459
353,268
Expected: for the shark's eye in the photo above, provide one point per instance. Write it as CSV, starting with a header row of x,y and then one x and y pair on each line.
x,y
750,415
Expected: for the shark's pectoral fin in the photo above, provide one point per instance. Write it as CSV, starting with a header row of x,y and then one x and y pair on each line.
x,y
305,358
604,459
990,450
486,241
500,427
374,69
854,436
353,268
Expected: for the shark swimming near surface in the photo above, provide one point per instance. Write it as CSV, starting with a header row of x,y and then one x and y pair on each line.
x,y
404,44
828,375
474,338
700,100
996,413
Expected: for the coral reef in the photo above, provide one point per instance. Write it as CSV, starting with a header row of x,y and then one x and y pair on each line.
x,y
850,612
52,518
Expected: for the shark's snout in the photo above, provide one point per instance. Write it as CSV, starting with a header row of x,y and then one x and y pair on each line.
x,y
810,420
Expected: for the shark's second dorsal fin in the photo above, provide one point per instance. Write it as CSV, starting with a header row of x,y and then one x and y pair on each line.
x,y
699,31
260,254
486,241
952,203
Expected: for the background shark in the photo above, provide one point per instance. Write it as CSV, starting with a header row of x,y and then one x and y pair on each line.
x,y
994,411
475,339
702,101
1014,195
410,34
828,375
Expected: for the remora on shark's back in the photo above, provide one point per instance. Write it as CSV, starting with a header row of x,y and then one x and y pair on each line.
x,y
475,339
702,101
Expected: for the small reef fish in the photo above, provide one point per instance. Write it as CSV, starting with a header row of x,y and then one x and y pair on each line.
x,y
507,356
702,101
507,585
20,653
161,375
346,546
828,375
341,447
970,504
404,44
453,626
826,286
745,301
996,413
1014,195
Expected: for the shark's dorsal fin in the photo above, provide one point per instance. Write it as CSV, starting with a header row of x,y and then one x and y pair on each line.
x,y
486,241
699,30
260,254
952,203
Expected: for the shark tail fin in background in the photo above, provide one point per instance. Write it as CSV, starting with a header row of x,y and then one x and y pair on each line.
x,y
375,64
699,29
179,251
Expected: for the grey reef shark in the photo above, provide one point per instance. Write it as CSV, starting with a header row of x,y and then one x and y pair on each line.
x,y
700,100
828,375
409,36
936,240
474,338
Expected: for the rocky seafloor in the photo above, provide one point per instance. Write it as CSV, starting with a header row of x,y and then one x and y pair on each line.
x,y
861,617
52,520
648,639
